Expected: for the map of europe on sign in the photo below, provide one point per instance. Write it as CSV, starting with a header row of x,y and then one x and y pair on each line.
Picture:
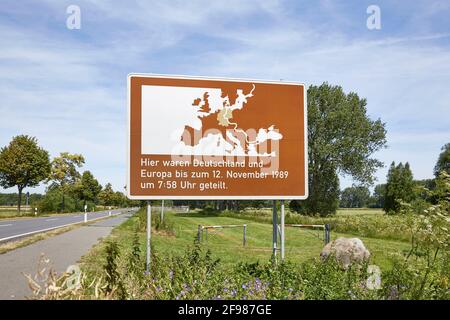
x,y
203,123
211,138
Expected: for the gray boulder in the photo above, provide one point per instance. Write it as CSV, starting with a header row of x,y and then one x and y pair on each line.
x,y
346,251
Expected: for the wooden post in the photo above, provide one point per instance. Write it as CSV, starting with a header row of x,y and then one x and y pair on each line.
x,y
245,234
327,234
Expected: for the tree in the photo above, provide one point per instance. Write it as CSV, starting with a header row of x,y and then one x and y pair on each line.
x,y
64,171
442,191
106,196
119,199
400,187
443,162
51,202
377,199
23,164
355,197
341,140
88,188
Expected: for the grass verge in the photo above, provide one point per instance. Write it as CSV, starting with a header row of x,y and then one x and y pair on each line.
x,y
27,240
23,242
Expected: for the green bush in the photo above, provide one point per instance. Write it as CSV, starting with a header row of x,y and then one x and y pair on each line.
x,y
52,202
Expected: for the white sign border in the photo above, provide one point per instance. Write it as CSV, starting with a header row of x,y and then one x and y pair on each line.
x,y
159,197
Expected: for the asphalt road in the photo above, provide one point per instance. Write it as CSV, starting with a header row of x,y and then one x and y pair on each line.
x,y
62,250
14,229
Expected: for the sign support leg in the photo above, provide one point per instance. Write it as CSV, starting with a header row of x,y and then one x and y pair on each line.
x,y
275,229
149,234
282,230
162,211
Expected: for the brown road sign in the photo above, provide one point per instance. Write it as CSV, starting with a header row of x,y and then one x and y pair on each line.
x,y
209,138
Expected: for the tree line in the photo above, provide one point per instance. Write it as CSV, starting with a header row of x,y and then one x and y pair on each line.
x,y
400,187
24,164
342,140
10,199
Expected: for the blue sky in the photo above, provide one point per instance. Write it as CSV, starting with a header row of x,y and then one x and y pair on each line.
x,y
68,87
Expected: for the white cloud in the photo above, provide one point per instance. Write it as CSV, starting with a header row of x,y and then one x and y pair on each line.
x,y
69,89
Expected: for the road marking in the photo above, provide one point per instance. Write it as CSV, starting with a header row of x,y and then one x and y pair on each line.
x,y
51,219
5,225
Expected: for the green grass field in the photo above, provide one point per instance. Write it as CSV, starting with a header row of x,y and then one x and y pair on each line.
x,y
7,214
227,244
359,212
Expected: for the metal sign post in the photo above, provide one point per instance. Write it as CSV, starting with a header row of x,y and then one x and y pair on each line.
x,y
282,230
275,229
160,167
149,234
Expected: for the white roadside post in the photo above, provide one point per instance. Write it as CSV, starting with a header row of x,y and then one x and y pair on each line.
x,y
149,234
109,213
85,213
282,230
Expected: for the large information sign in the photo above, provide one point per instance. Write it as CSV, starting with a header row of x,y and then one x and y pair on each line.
x,y
207,138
